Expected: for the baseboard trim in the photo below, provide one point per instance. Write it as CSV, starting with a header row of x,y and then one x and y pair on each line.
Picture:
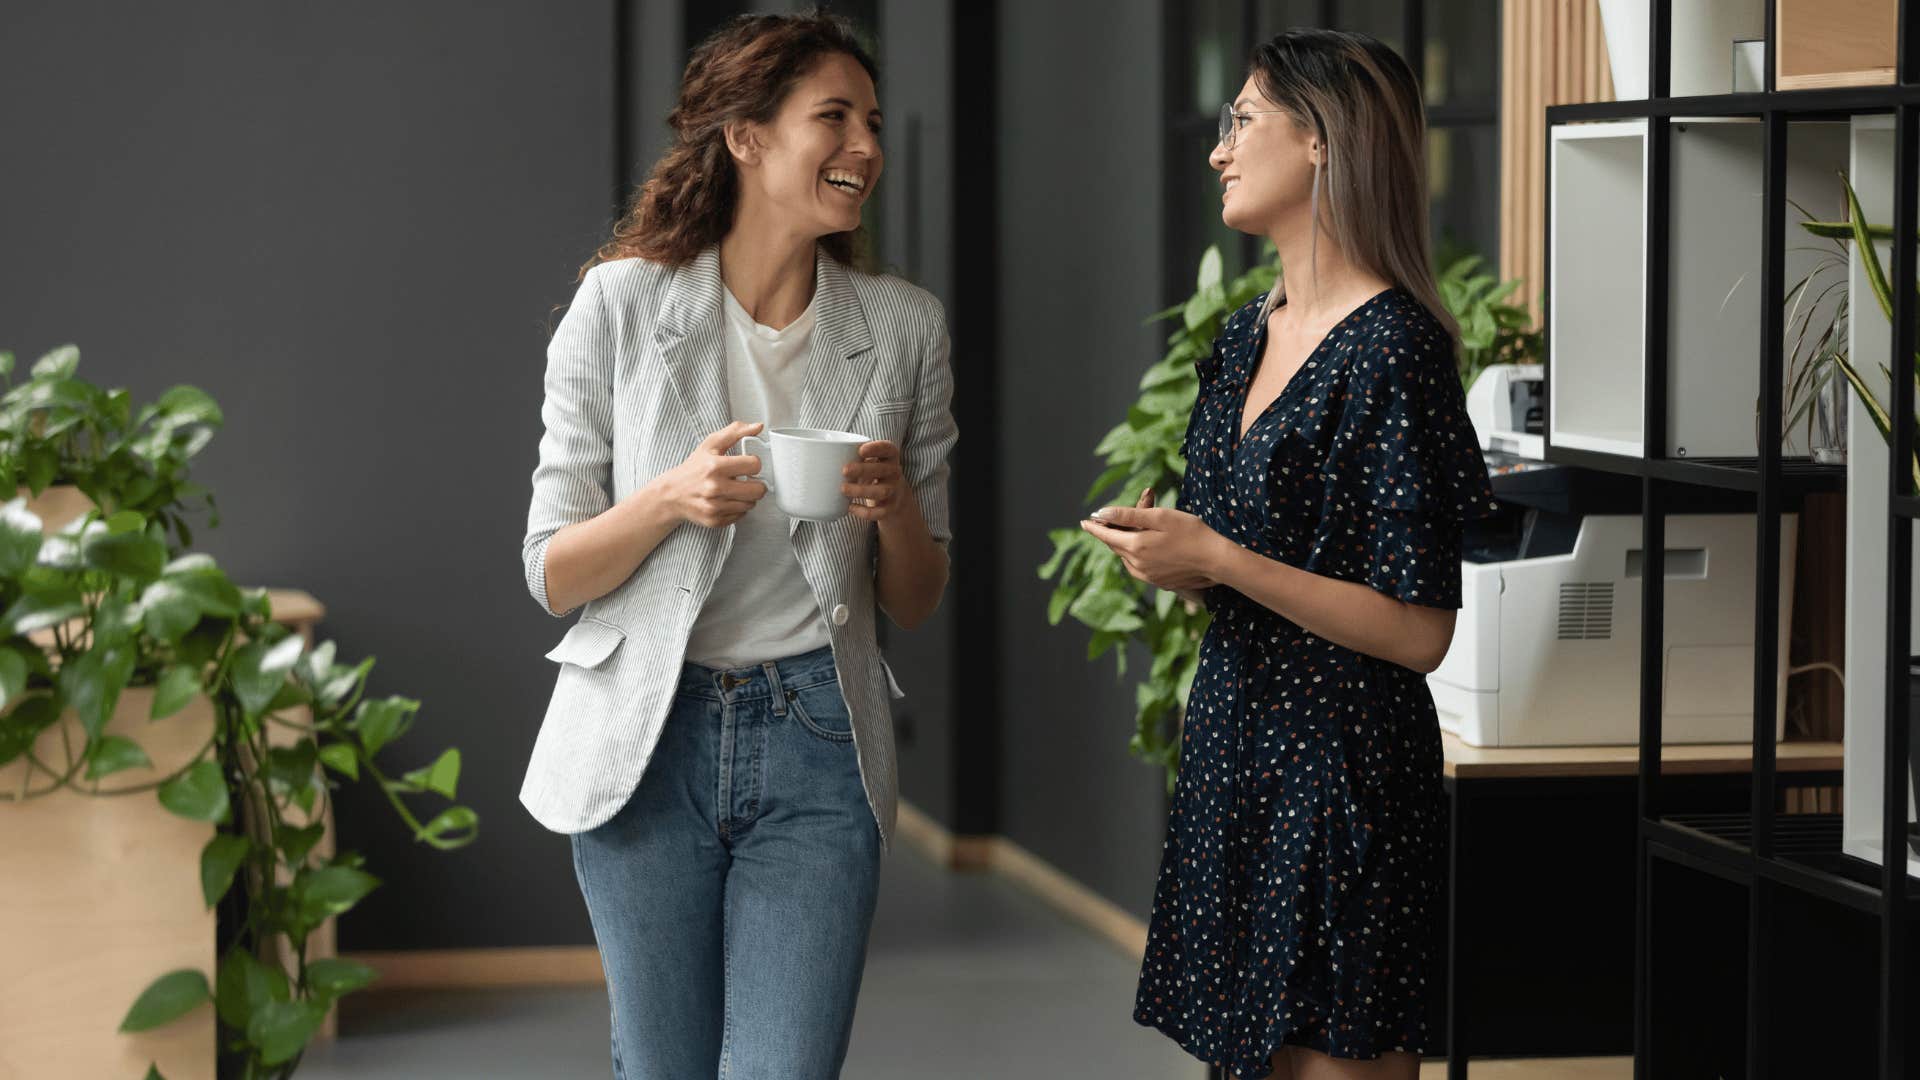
x,y
999,855
444,969
579,965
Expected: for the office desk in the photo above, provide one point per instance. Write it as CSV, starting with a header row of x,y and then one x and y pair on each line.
x,y
1540,896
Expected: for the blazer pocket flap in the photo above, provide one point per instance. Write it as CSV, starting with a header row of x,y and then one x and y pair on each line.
x,y
888,408
588,643
893,684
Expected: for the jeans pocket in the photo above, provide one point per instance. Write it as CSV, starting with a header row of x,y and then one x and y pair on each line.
x,y
822,710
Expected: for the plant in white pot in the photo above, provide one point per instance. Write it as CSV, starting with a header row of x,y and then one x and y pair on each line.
x,y
112,609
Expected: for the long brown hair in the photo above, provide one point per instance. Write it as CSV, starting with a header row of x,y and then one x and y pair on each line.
x,y
1361,99
744,71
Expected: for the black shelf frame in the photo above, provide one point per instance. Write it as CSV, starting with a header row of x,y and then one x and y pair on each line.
x,y
1762,850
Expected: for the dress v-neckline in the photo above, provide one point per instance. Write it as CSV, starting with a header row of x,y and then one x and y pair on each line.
x,y
1240,432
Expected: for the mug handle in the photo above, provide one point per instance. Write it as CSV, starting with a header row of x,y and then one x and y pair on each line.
x,y
765,454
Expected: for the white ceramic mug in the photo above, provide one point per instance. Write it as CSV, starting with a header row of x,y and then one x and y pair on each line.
x,y
802,468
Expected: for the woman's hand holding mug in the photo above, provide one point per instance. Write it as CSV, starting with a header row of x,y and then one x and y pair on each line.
x,y
714,487
875,483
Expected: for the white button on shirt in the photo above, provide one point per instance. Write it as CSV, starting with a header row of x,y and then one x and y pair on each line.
x,y
840,614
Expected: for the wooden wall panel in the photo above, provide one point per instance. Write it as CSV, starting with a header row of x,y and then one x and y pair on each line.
x,y
1553,52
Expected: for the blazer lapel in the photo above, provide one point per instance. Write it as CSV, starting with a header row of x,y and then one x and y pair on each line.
x,y
842,353
687,334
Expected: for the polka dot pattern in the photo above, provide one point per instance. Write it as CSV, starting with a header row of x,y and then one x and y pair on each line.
x,y
1299,893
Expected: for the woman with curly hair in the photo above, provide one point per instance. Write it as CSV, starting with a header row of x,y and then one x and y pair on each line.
x,y
718,744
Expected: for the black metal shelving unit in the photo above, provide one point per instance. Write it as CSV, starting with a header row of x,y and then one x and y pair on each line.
x,y
1772,856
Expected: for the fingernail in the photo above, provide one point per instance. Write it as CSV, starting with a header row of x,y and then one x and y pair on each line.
x,y
1099,515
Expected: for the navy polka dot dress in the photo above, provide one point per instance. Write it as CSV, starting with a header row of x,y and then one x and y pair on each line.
x,y
1299,893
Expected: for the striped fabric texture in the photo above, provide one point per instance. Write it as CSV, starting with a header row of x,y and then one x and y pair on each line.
x,y
636,377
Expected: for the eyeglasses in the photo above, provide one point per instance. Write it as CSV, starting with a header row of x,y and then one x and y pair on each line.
x,y
1230,122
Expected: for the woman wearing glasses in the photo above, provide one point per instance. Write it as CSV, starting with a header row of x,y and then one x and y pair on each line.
x,y
727,813
1330,468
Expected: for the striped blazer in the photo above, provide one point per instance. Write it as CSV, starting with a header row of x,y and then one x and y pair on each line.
x,y
636,377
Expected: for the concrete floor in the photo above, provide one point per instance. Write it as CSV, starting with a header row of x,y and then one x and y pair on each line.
x,y
967,977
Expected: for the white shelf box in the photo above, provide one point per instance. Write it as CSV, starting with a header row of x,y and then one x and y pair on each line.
x,y
1597,309
1702,44
1870,342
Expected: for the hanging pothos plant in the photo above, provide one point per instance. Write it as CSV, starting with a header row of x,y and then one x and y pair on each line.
x,y
113,602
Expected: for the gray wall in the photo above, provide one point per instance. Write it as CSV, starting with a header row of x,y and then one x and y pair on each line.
x,y
349,223
914,215
1080,267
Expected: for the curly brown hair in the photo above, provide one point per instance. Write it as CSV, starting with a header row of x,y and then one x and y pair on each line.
x,y
744,71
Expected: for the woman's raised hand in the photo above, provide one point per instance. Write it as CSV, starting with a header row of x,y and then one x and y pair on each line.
x,y
714,486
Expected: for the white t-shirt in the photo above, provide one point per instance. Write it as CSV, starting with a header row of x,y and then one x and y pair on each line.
x,y
761,607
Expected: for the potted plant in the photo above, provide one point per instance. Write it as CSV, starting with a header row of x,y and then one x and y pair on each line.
x,y
111,610
1144,451
1820,365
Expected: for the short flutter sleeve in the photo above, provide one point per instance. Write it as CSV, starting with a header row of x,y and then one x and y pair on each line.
x,y
1404,472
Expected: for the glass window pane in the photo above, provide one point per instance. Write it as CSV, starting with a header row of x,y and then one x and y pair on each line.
x,y
1198,208
1216,56
1383,19
1272,18
1463,174
1462,51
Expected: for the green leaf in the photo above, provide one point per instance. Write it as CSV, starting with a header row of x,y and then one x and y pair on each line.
x,y
92,684
178,686
134,555
153,1072
209,587
244,985
260,668
280,1029
13,676
170,997
1063,598
126,521
291,768
167,611
455,818
41,463
21,534
189,405
199,794
115,753
332,890
58,364
381,722
340,757
443,776
1211,269
331,977
219,861
42,606
21,725
297,844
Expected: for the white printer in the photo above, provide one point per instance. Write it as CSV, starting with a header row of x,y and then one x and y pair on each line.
x,y
1546,650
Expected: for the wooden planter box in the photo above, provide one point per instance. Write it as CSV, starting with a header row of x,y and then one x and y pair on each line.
x,y
102,895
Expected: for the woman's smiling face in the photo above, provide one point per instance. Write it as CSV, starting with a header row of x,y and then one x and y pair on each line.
x,y
817,161
1268,172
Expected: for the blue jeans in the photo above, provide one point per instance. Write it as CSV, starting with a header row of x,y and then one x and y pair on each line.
x,y
732,895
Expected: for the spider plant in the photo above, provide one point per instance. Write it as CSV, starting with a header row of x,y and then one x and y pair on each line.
x,y
1826,351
